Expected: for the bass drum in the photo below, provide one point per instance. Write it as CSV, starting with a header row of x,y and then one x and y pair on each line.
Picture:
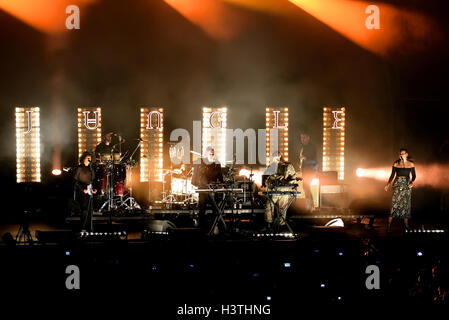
x,y
119,179
101,179
178,186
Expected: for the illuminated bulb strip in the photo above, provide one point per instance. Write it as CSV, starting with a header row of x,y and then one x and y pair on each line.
x,y
334,141
282,132
88,139
151,148
28,151
215,137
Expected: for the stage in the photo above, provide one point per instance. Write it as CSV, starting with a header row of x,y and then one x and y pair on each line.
x,y
225,158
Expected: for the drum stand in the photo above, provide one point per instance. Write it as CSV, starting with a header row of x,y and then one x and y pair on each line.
x,y
130,203
110,203
170,198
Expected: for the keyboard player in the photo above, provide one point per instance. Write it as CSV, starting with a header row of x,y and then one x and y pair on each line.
x,y
204,174
280,176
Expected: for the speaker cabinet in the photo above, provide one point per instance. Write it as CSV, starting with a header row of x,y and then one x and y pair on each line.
x,y
333,196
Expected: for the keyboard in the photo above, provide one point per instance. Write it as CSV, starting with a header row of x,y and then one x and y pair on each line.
x,y
238,190
281,193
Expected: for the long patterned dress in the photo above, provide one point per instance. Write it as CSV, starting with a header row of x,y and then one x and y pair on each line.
x,y
402,198
402,194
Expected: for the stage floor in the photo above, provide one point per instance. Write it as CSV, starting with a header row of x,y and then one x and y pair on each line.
x,y
356,227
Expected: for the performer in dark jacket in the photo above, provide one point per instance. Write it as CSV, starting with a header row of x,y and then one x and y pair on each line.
x,y
84,175
308,165
209,171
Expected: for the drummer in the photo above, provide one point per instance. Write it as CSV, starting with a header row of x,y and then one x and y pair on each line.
x,y
105,147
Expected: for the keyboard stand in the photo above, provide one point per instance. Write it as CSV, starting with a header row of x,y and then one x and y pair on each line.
x,y
279,216
219,210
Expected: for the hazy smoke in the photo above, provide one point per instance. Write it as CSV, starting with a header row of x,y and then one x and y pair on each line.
x,y
431,175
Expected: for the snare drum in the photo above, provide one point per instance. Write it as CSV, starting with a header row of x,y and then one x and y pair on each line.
x,y
116,157
105,157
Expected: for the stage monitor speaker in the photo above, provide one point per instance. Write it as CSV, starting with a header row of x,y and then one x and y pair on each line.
x,y
160,225
333,196
328,177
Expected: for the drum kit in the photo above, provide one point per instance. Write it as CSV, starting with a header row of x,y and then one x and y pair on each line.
x,y
181,192
178,190
112,174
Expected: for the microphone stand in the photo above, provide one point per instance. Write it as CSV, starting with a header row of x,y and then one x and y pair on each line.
x,y
91,196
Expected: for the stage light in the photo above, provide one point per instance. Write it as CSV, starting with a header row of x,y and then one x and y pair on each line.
x,y
349,18
315,191
89,129
381,174
154,268
333,140
209,15
67,253
322,285
287,265
268,298
28,147
285,235
276,123
419,254
151,148
56,172
425,230
257,175
214,126
340,253
45,15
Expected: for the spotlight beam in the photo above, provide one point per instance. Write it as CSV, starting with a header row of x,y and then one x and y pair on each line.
x,y
398,29
45,15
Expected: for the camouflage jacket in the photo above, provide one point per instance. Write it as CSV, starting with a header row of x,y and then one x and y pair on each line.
x,y
285,175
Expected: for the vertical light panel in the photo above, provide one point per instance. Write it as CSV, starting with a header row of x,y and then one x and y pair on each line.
x,y
214,126
89,129
334,123
28,146
151,148
276,126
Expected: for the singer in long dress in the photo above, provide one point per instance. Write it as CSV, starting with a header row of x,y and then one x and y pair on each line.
x,y
84,175
402,185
